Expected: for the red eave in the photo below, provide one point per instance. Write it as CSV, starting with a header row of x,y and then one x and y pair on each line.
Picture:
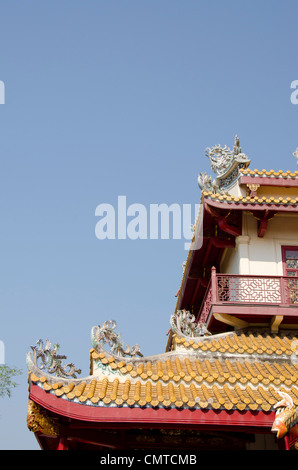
x,y
251,206
150,416
269,181
204,256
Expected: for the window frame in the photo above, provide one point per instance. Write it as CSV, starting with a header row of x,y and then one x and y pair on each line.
x,y
284,248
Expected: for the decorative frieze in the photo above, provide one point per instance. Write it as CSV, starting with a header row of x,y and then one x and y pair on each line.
x,y
253,188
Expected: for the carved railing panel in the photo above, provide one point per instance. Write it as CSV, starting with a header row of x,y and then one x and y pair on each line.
x,y
229,288
248,289
291,290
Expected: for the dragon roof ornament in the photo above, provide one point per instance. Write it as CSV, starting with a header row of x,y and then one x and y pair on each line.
x,y
183,323
46,357
226,164
106,334
295,154
286,415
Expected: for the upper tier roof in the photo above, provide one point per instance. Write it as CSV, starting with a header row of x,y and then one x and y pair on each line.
x,y
237,189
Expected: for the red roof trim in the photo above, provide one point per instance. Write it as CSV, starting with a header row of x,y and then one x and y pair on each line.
x,y
269,181
117,415
251,206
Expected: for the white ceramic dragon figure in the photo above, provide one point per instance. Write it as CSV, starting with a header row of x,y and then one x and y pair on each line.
x,y
45,357
106,334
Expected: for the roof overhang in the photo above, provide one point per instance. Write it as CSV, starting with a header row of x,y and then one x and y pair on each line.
x,y
152,417
289,182
251,206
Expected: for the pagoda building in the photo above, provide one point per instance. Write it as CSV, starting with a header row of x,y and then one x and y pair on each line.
x,y
228,378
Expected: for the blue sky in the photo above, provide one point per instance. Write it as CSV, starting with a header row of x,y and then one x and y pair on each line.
x,y
109,98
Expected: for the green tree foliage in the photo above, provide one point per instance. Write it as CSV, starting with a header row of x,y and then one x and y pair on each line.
x,y
6,380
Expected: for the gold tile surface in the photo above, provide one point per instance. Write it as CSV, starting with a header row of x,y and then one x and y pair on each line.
x,y
241,371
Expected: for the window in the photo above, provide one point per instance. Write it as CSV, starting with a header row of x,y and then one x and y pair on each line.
x,y
290,269
290,260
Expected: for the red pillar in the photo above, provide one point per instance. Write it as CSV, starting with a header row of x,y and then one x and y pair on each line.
x,y
213,284
287,447
62,444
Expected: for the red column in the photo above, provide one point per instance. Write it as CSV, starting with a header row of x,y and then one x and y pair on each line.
x,y
62,444
213,285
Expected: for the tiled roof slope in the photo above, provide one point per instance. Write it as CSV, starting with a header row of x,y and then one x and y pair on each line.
x,y
229,198
256,341
256,199
232,371
270,173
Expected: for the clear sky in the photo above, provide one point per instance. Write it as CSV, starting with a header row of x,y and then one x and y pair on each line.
x,y
110,98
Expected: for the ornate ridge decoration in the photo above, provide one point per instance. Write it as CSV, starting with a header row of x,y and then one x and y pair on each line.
x,y
286,415
295,154
106,334
226,164
46,357
183,323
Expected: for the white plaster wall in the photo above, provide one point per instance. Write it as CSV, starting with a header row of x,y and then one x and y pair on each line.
x,y
236,190
261,256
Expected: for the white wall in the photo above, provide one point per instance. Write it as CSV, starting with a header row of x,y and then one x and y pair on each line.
x,y
261,256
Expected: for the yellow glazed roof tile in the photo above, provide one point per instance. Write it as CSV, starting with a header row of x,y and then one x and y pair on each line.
x,y
250,200
195,380
251,343
241,370
271,173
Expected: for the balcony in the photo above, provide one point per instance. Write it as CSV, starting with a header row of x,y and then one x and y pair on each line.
x,y
240,300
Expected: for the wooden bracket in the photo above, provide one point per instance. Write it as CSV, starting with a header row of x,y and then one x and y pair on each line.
x,y
222,222
275,322
223,243
263,219
231,320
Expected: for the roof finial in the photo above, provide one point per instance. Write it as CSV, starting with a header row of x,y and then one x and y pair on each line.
x,y
237,148
296,154
45,357
106,334
226,163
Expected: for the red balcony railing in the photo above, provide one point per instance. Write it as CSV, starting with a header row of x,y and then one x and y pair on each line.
x,y
238,289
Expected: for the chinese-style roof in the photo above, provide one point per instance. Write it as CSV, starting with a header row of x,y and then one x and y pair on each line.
x,y
231,378
235,190
254,201
271,173
234,371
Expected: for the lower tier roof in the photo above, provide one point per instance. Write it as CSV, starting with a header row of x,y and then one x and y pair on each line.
x,y
240,371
